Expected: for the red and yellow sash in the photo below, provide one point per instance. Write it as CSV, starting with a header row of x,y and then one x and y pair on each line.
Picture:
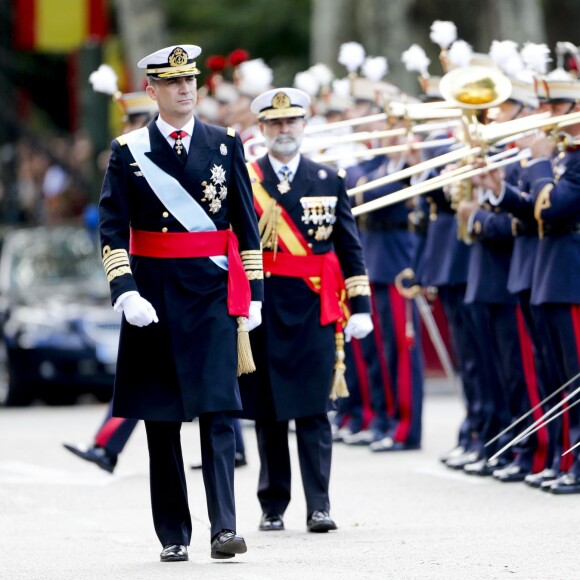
x,y
321,272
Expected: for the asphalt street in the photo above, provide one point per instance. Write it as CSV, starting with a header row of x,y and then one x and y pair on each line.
x,y
400,516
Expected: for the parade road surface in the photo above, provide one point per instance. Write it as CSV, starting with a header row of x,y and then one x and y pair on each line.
x,y
400,515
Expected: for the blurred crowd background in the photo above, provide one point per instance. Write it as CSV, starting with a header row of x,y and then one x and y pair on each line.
x,y
55,130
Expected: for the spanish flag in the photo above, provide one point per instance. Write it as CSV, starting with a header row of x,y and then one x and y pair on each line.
x,y
59,25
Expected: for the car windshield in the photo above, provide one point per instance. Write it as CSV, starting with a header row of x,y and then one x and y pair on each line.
x,y
56,258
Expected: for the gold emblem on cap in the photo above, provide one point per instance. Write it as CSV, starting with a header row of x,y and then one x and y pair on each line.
x,y
178,57
280,101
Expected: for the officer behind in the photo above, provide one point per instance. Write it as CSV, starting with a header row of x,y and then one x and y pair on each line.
x,y
309,239
176,203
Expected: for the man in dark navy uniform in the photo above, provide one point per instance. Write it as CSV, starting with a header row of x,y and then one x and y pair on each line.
x,y
182,255
310,240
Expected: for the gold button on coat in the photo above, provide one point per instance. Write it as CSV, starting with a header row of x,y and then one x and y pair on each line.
x,y
164,230
165,214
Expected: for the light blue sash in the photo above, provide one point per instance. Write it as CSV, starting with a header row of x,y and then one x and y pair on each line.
x,y
169,191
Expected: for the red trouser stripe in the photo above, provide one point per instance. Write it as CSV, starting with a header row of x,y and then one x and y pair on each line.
x,y
527,353
404,371
568,459
108,430
363,381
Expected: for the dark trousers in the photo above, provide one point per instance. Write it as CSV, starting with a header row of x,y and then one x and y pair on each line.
x,y
464,341
355,410
114,433
548,447
169,505
314,438
563,326
401,387
492,367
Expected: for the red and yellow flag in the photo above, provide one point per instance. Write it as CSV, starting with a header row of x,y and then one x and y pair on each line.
x,y
59,25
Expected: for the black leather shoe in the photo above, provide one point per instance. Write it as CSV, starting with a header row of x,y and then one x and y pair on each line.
x,y
389,444
536,479
565,484
97,455
455,452
320,522
483,467
462,460
226,545
512,472
272,523
174,553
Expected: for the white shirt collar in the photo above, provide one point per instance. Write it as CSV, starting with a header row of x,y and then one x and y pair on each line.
x,y
292,165
166,129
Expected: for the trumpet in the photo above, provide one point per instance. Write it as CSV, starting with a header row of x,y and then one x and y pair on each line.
x,y
388,150
331,141
444,159
503,133
466,171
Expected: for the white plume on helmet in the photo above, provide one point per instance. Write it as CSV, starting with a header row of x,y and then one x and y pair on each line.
x,y
443,33
536,57
104,80
415,60
351,55
307,82
375,68
255,77
460,53
322,73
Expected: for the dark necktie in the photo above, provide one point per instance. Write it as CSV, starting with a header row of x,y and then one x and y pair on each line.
x,y
178,146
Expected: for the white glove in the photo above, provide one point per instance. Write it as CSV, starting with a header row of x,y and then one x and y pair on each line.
x,y
255,317
358,326
138,311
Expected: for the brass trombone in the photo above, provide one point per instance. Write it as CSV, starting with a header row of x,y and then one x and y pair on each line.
x,y
515,128
317,144
387,150
466,171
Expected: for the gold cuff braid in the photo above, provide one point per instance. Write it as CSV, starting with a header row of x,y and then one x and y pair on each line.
x,y
115,262
357,286
253,265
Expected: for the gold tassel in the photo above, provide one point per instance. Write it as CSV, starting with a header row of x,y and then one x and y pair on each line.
x,y
339,388
245,359
268,227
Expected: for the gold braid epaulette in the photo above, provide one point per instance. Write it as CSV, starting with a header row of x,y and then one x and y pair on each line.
x,y
252,262
116,263
358,286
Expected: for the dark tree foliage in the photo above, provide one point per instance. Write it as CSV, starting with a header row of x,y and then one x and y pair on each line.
x,y
277,32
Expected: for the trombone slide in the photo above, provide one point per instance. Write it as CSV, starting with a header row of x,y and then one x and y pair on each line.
x,y
464,172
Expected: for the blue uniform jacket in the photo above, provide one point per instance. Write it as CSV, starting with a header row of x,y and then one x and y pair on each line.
x,y
555,188
294,353
186,364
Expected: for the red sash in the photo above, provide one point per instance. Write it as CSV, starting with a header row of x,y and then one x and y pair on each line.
x,y
199,245
321,272
332,290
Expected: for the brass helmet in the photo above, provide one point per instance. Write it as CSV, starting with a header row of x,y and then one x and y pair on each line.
x,y
475,87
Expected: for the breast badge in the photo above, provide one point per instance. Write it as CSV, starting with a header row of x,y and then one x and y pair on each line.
x,y
215,191
321,212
